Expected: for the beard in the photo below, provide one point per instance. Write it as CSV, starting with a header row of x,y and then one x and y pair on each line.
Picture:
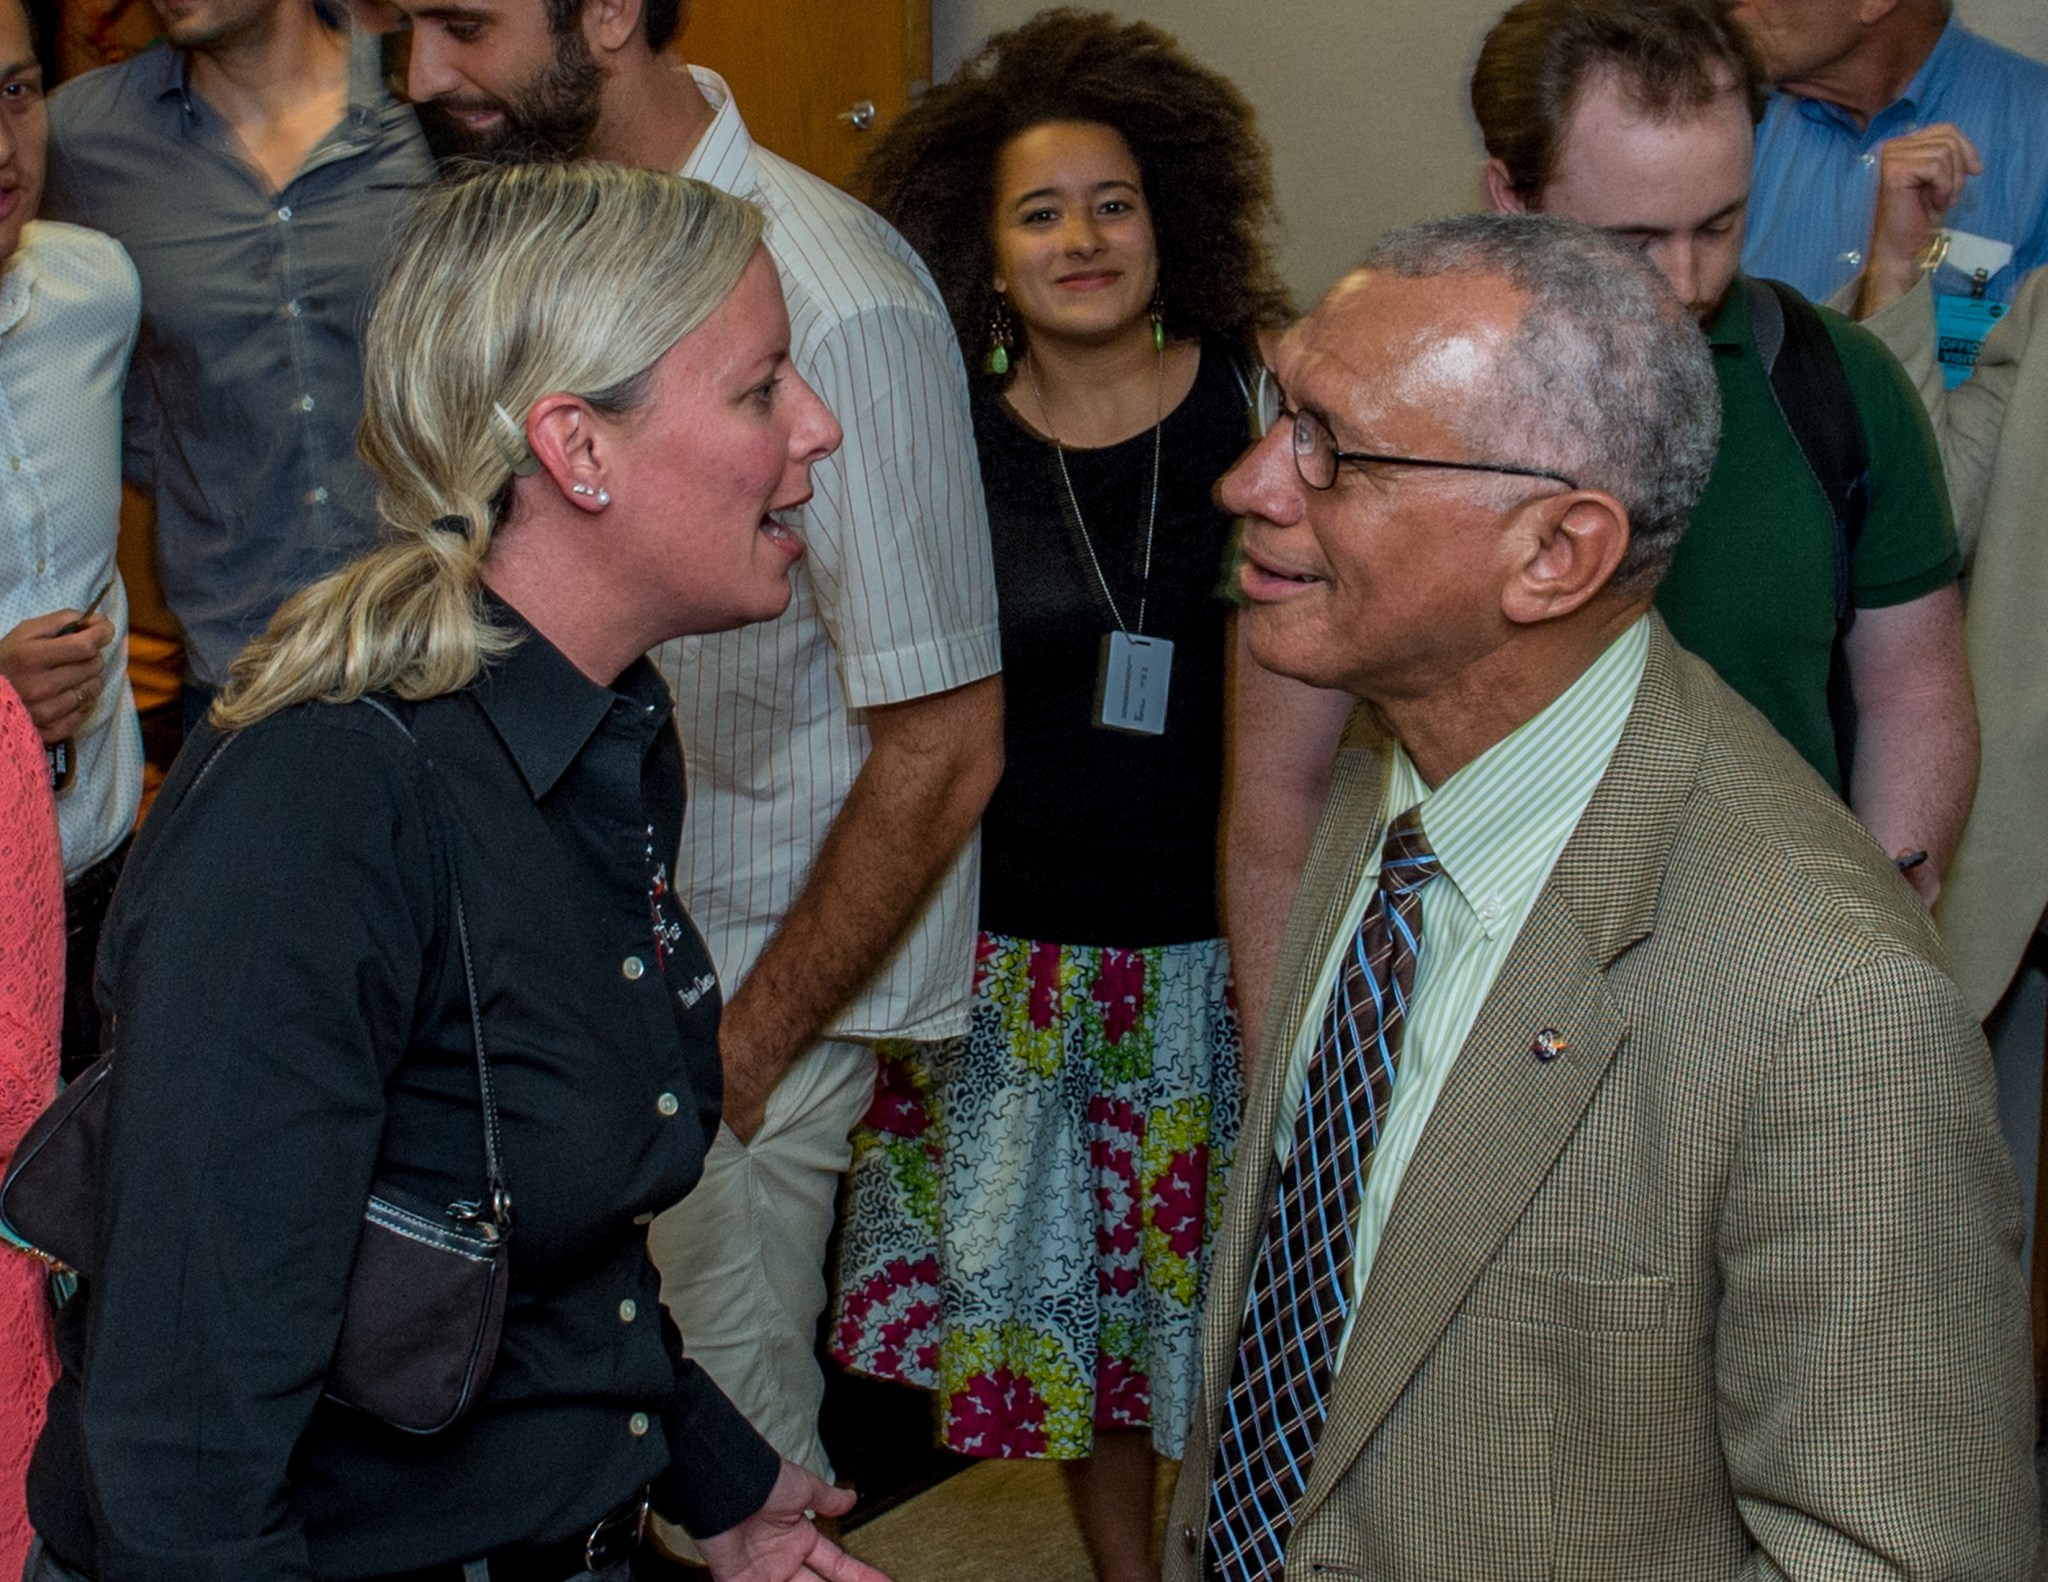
x,y
547,121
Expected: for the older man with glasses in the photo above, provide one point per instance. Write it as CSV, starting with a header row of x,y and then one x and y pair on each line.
x,y
1620,1191
1819,575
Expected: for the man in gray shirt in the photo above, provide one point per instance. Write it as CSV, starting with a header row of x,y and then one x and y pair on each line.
x,y
252,166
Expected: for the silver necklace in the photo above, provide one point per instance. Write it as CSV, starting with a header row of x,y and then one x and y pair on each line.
x,y
1059,450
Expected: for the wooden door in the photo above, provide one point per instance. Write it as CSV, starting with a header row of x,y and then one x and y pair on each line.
x,y
803,70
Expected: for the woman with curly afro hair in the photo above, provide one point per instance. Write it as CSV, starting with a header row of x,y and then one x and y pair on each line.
x,y
1028,1229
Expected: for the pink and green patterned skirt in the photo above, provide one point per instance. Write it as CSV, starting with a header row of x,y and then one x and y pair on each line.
x,y
1030,1208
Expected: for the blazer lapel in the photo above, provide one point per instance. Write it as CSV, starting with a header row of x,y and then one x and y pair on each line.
x,y
1505,1115
1500,1123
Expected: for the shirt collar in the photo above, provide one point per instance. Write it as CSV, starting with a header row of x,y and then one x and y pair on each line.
x,y
367,94
366,91
1934,72
724,155
18,282
545,710
1728,330
1497,823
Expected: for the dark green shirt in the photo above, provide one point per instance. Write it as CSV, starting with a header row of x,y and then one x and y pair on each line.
x,y
1752,588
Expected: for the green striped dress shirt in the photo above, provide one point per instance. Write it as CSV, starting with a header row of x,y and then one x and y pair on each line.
x,y
1497,826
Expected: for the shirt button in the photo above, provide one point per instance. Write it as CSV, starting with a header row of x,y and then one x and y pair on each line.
x,y
637,1424
316,497
667,1104
632,967
1852,256
1190,1540
285,213
305,403
14,462
644,1219
628,1311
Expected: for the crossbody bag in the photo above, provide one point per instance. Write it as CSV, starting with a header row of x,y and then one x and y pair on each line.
x,y
426,1293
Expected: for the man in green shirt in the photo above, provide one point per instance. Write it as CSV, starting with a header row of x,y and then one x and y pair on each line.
x,y
1639,116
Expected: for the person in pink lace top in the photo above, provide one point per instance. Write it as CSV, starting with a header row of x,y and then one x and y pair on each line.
x,y
31,1003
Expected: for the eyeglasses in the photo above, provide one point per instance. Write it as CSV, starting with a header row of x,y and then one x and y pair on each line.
x,y
1316,456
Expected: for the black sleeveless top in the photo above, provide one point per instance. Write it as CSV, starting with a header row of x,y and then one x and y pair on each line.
x,y
1102,837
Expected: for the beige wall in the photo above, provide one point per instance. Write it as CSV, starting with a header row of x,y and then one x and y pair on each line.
x,y
1363,102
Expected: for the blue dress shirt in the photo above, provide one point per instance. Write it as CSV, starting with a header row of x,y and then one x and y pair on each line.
x,y
1816,170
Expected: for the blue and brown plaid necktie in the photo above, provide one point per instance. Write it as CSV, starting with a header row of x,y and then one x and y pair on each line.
x,y
1301,1287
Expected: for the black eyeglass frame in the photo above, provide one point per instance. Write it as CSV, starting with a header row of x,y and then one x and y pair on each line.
x,y
1269,406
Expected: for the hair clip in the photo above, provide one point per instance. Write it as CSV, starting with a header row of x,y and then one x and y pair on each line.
x,y
512,444
458,525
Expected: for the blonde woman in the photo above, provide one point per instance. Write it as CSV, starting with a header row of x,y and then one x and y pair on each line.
x,y
580,404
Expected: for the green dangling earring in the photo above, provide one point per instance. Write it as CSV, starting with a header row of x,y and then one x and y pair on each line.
x,y
1158,322
999,338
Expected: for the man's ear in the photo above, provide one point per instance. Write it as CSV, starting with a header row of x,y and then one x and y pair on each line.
x,y
1500,189
1571,545
566,440
611,24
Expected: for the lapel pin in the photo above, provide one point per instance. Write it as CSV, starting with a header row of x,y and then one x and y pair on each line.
x,y
1549,1044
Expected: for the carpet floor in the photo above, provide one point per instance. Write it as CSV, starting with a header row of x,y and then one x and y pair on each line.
x,y
999,1521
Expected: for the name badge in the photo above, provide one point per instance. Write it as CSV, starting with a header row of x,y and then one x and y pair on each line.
x,y
1131,695
1976,256
1960,325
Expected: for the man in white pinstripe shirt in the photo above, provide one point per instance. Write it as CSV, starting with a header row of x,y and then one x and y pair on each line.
x,y
839,757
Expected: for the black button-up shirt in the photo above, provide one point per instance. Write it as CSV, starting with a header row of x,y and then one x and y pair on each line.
x,y
291,1023
248,377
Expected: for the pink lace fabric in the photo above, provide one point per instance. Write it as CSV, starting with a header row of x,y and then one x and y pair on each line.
x,y
31,1008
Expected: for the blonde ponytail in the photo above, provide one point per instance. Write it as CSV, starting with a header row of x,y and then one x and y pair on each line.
x,y
502,287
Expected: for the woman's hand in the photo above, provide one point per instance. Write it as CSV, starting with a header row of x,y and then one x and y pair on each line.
x,y
778,1543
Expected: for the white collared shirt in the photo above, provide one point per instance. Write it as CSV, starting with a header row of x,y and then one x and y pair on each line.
x,y
69,304
894,597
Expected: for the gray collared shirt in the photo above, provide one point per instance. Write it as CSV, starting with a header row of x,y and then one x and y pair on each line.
x,y
247,383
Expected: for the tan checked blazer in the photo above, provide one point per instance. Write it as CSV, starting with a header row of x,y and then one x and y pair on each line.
x,y
1730,1288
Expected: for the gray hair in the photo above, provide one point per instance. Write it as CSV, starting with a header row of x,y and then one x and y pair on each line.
x,y
1609,380
502,287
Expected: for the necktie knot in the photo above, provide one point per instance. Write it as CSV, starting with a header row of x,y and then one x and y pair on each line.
x,y
1406,862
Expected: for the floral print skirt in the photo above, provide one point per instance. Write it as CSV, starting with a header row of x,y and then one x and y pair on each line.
x,y
1030,1208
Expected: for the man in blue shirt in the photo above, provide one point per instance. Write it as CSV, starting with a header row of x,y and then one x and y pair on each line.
x,y
1848,82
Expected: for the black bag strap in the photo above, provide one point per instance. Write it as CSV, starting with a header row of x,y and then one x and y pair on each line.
x,y
498,1206
1812,393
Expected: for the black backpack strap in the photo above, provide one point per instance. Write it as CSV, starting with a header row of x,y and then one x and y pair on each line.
x,y
1813,396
